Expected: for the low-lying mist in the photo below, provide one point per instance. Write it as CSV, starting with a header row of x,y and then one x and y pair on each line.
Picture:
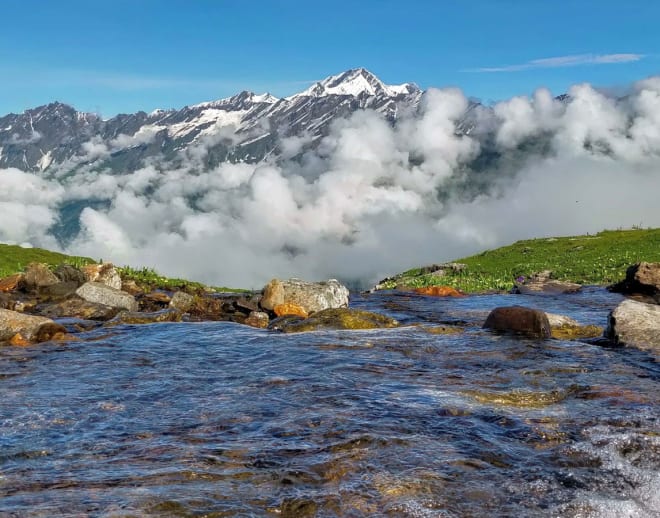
x,y
369,200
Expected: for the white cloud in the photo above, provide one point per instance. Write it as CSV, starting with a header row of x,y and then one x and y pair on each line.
x,y
565,61
372,199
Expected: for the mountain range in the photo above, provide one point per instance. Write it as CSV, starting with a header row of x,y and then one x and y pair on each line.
x,y
243,128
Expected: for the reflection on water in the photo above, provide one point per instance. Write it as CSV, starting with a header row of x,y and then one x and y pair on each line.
x,y
216,419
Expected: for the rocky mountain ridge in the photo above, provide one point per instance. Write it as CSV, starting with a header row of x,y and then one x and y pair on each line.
x,y
243,128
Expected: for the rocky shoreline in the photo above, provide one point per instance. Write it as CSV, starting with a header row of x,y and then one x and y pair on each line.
x,y
43,304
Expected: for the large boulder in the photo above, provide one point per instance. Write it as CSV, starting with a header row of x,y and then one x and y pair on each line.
x,y
38,276
104,273
79,308
101,294
334,318
641,278
21,329
635,324
311,296
529,322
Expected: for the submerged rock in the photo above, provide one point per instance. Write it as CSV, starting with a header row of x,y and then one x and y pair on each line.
x,y
519,320
311,296
335,318
576,332
103,294
439,291
635,324
134,317
21,329
257,319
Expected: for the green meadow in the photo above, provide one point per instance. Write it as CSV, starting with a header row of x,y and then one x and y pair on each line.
x,y
591,259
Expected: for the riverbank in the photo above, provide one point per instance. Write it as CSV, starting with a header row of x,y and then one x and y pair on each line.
x,y
598,259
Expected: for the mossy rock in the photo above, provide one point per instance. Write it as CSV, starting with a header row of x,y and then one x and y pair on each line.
x,y
338,318
571,332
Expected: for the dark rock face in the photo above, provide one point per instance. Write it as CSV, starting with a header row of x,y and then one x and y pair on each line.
x,y
641,279
532,323
635,324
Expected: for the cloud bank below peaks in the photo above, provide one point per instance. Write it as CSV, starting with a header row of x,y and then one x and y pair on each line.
x,y
371,198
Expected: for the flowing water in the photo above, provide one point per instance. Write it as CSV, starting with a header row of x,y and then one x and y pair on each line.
x,y
218,419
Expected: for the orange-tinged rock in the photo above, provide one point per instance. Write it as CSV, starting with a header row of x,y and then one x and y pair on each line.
x,y
19,340
440,291
12,282
290,309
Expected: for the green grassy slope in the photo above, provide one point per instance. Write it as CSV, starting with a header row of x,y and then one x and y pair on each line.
x,y
592,259
14,259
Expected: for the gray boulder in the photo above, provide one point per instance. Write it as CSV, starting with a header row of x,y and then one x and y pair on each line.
x,y
181,301
101,294
104,273
21,329
311,296
635,324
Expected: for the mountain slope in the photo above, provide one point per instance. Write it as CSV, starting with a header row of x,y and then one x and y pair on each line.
x,y
245,127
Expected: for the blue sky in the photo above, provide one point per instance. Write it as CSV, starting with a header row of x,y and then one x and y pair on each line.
x,y
122,56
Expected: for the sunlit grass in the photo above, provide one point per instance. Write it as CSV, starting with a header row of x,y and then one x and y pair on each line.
x,y
14,259
591,259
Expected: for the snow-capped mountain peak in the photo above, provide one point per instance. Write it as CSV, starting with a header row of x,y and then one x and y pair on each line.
x,y
355,82
239,100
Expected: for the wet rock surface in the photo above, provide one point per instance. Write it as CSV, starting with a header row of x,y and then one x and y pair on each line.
x,y
338,318
311,296
529,322
636,324
23,329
